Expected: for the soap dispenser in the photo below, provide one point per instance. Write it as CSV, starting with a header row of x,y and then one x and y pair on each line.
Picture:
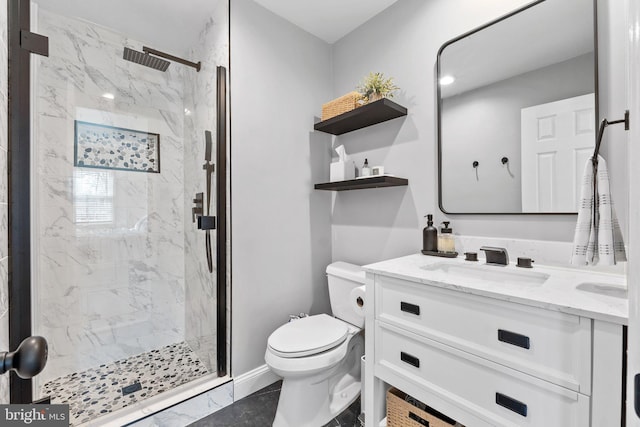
x,y
446,241
429,236
366,170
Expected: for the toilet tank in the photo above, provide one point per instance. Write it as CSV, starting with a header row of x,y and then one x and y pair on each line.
x,y
342,278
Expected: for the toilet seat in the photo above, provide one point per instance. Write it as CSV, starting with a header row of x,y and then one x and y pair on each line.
x,y
308,336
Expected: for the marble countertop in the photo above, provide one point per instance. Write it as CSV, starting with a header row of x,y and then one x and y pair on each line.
x,y
570,290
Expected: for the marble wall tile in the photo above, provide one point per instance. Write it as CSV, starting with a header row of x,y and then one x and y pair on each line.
x,y
76,40
57,72
54,102
55,163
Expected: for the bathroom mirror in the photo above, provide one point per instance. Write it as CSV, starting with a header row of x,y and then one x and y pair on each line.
x,y
517,111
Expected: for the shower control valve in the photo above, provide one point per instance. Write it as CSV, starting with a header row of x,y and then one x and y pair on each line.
x,y
197,211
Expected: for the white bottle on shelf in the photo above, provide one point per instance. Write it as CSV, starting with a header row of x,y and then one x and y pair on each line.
x,y
366,170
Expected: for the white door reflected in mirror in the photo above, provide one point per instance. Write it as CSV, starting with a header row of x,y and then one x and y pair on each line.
x,y
557,139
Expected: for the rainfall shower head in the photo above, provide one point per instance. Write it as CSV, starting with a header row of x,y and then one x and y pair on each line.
x,y
149,58
145,59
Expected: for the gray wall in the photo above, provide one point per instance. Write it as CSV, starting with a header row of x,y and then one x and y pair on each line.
x,y
403,42
484,124
280,226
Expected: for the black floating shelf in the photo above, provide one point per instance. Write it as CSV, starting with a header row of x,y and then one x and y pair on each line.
x,y
359,184
367,115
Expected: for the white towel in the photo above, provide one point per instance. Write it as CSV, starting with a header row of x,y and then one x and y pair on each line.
x,y
598,238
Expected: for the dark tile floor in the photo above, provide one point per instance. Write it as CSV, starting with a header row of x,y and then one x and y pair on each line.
x,y
259,409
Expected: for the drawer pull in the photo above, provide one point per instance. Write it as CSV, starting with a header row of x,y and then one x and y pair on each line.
x,y
418,419
411,360
511,404
513,338
410,308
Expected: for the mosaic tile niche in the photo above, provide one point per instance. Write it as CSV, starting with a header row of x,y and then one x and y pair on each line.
x,y
109,147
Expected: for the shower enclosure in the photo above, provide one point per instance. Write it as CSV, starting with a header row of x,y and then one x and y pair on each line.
x,y
128,278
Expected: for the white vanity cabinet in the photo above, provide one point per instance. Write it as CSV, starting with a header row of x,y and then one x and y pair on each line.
x,y
487,361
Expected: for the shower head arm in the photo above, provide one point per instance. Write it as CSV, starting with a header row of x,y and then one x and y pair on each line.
x,y
170,57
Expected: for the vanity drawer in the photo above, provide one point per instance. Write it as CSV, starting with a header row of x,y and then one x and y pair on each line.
x,y
549,345
491,392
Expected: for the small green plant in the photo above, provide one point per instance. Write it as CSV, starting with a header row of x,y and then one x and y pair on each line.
x,y
376,86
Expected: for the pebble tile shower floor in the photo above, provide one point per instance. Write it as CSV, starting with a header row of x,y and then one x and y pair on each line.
x,y
98,391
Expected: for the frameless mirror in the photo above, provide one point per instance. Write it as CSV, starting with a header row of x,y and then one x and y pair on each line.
x,y
517,111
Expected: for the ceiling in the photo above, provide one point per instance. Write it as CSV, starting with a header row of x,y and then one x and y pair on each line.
x,y
173,26
329,20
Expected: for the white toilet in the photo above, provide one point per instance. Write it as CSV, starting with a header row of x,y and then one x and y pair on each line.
x,y
318,356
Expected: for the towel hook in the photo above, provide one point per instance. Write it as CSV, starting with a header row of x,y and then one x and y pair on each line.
x,y
603,124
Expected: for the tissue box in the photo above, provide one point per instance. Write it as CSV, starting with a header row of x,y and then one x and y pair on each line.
x,y
342,171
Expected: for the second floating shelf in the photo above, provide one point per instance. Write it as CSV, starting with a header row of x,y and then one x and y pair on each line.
x,y
359,184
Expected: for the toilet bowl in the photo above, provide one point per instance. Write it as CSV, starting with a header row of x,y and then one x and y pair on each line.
x,y
318,357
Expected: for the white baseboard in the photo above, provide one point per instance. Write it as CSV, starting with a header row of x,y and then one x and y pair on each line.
x,y
252,381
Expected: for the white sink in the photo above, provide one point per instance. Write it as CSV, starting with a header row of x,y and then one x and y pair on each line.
x,y
488,273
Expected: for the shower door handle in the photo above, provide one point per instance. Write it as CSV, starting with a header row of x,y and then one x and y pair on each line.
x,y
28,360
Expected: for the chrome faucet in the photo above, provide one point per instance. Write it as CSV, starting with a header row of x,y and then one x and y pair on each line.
x,y
496,256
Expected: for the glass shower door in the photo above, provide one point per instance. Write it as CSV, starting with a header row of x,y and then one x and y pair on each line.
x,y
121,286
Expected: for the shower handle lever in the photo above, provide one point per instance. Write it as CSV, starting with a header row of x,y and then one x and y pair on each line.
x,y
196,211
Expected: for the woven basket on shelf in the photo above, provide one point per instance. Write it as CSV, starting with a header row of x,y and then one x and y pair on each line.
x,y
340,105
401,413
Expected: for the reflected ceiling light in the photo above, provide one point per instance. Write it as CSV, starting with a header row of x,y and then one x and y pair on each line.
x,y
447,80
108,95
187,112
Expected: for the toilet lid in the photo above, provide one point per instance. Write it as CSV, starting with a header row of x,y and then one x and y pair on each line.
x,y
307,336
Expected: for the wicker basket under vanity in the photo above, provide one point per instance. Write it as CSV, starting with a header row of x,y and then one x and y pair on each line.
x,y
401,413
341,105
